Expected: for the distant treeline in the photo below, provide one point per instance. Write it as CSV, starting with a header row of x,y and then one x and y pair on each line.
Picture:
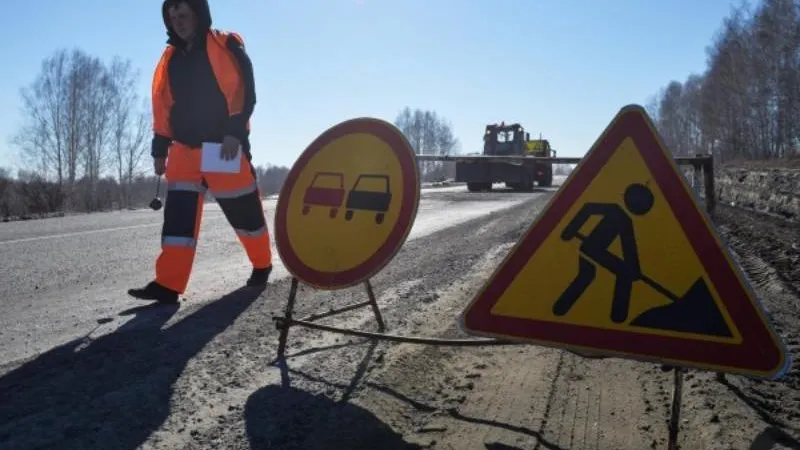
x,y
746,105
30,196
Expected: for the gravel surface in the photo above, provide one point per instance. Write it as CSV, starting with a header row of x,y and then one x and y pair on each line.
x,y
205,377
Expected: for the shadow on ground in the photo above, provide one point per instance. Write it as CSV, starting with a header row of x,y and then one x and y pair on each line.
x,y
114,391
773,438
778,431
499,446
287,418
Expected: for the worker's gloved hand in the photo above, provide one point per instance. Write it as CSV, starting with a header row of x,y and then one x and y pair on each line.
x,y
230,146
159,165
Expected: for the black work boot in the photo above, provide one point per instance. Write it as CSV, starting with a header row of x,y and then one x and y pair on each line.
x,y
259,277
155,291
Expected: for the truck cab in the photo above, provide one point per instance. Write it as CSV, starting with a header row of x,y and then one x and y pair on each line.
x,y
504,140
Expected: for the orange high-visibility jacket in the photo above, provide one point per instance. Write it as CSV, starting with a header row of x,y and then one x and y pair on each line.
x,y
205,93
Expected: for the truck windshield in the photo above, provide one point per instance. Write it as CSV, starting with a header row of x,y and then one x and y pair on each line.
x,y
506,136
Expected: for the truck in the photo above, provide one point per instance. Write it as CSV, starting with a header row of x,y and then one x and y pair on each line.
x,y
507,140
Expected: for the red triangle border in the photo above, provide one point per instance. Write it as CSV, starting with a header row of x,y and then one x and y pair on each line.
x,y
761,352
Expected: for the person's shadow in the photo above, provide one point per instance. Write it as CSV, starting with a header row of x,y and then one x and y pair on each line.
x,y
114,391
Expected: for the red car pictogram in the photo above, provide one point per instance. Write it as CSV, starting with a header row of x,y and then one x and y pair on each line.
x,y
331,197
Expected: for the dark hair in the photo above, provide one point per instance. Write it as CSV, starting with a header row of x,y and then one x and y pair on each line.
x,y
200,9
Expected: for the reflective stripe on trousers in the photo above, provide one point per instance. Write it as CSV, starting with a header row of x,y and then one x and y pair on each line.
x,y
238,197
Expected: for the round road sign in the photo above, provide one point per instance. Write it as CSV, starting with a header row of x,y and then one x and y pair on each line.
x,y
347,204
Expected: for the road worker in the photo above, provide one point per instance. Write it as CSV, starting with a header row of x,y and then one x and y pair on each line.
x,y
203,92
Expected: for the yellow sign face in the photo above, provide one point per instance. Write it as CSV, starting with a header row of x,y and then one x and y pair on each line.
x,y
583,287
623,262
347,204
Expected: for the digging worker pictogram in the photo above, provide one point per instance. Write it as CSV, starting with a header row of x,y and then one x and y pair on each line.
x,y
594,250
203,92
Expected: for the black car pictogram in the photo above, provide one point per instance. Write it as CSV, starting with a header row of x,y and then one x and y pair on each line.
x,y
360,199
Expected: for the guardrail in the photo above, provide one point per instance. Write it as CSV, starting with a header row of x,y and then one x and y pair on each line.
x,y
702,164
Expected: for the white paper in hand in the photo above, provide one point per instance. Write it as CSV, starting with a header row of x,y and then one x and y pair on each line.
x,y
211,161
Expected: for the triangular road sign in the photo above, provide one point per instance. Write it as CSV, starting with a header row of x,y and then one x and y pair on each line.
x,y
623,262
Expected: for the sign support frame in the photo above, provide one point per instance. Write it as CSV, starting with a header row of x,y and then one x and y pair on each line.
x,y
287,321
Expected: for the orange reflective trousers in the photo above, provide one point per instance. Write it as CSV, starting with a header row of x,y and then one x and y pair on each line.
x,y
237,195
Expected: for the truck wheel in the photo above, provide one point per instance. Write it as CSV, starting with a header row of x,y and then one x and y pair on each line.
x,y
547,181
527,185
473,187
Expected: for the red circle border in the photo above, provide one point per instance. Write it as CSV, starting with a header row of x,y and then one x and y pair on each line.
x,y
406,216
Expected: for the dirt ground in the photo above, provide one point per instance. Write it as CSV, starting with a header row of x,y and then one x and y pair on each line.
x,y
210,380
771,190
769,250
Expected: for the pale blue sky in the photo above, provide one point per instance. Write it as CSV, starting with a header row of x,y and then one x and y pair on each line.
x,y
560,67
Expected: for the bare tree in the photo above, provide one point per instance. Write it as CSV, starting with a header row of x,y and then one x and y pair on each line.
x,y
42,140
80,117
271,178
51,136
6,183
428,134
746,105
129,127
95,106
652,106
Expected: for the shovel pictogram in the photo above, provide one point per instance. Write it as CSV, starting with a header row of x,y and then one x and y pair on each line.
x,y
693,312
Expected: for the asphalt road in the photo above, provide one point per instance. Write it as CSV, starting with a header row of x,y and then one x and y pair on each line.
x,y
66,278
204,376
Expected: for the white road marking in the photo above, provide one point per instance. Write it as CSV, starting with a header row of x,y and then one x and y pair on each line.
x,y
78,233
99,230
270,202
